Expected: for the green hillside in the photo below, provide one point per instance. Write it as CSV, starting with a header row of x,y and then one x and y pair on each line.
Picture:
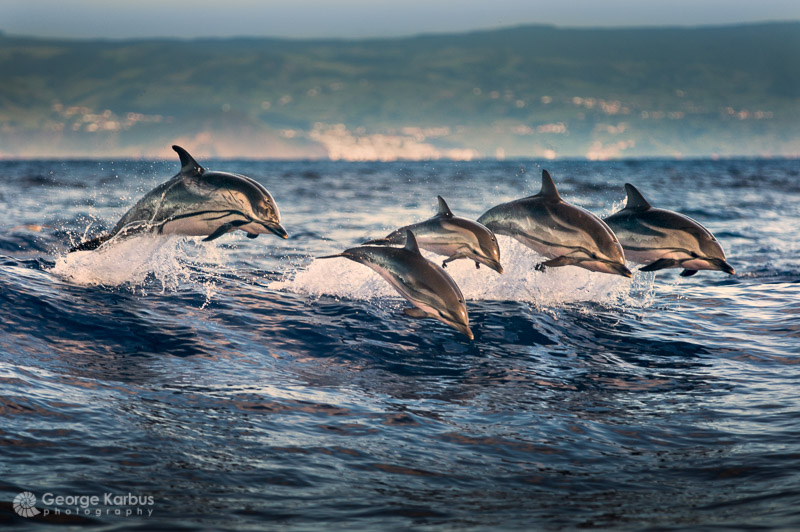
x,y
529,91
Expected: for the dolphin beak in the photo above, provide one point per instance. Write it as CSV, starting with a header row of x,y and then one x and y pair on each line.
x,y
467,331
488,262
278,230
618,269
725,267
622,270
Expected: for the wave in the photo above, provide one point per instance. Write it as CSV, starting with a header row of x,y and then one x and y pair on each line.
x,y
554,287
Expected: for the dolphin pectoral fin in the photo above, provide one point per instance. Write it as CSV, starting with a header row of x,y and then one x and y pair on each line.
x,y
477,265
221,230
660,264
252,235
688,273
225,228
453,257
555,263
414,312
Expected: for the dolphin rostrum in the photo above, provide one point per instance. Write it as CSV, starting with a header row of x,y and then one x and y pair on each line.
x,y
196,202
663,239
426,285
564,233
449,235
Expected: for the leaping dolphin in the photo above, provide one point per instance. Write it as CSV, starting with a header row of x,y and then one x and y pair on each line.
x,y
449,235
564,233
431,291
196,202
663,239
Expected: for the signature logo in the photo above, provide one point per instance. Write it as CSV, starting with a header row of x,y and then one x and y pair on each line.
x,y
25,504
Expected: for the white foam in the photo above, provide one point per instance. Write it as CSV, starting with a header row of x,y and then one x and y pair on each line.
x,y
134,260
554,287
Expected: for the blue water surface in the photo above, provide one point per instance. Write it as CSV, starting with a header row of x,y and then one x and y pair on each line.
x,y
242,384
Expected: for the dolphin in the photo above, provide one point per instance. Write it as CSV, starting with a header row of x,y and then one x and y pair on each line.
x,y
196,202
431,291
664,239
449,235
564,233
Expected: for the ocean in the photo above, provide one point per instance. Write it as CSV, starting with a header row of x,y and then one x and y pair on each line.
x,y
238,384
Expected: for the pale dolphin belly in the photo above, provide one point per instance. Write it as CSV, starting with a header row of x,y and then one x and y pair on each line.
x,y
198,225
546,249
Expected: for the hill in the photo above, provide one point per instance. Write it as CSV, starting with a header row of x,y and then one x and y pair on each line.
x,y
534,91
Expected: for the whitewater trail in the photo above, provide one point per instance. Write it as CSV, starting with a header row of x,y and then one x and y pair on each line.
x,y
346,279
174,261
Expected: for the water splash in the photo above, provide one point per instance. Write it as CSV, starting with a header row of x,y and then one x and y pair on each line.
x,y
136,261
520,282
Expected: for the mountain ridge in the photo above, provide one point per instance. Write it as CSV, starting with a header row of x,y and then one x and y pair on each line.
x,y
538,91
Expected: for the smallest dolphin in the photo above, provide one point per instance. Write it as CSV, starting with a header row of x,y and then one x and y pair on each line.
x,y
449,235
431,291
663,239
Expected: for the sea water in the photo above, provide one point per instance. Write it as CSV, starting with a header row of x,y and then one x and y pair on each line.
x,y
244,384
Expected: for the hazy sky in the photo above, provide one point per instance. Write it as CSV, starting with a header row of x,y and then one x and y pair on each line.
x,y
360,18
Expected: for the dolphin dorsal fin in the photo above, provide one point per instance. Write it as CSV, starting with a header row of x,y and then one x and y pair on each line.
x,y
444,210
548,187
188,164
635,199
411,242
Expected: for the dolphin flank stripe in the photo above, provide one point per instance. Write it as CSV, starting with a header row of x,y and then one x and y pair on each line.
x,y
559,244
200,213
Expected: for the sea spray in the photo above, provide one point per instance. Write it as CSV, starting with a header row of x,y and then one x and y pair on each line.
x,y
135,262
521,282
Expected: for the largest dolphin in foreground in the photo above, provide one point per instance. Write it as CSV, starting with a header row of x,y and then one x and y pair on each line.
x,y
196,202
664,239
426,285
452,236
564,233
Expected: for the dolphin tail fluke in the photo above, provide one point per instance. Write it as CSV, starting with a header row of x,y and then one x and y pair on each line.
x,y
688,273
660,264
90,245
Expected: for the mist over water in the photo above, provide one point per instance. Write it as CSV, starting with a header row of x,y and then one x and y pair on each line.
x,y
245,383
